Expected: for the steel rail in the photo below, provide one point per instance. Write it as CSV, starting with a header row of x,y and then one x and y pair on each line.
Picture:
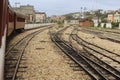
x,y
106,66
62,45
6,54
83,42
22,50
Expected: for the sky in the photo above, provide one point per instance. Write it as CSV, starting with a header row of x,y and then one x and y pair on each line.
x,y
59,7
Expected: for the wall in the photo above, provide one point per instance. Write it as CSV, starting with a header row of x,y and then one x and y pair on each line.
x,y
108,25
86,24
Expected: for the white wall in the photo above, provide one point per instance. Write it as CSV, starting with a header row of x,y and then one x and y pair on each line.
x,y
30,26
102,25
119,25
96,24
108,25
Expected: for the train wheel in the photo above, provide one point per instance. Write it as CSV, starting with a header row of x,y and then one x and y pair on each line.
x,y
20,30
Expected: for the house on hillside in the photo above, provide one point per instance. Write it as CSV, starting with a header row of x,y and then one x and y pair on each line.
x,y
117,17
110,17
114,17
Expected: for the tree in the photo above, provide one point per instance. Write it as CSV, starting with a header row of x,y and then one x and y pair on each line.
x,y
115,24
69,17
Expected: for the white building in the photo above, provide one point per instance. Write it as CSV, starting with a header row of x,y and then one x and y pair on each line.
x,y
102,25
40,17
28,11
71,22
108,25
77,15
117,17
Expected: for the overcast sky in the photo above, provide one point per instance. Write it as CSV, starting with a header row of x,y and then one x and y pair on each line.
x,y
59,7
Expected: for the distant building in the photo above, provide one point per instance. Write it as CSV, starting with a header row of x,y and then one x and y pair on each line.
x,y
110,18
71,22
114,17
76,15
55,18
28,11
96,20
40,17
108,25
117,16
86,23
102,11
109,11
92,12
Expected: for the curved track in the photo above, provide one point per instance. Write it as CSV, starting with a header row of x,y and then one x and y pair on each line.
x,y
14,59
97,69
109,35
93,59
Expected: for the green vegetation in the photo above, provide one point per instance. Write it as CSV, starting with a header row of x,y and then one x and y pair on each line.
x,y
115,25
69,17
60,24
104,25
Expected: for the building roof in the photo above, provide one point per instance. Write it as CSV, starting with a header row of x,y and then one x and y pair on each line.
x,y
40,13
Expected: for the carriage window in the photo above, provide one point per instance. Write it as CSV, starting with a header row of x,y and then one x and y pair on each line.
x,y
20,19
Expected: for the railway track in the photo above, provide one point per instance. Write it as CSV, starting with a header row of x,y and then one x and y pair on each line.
x,y
103,30
13,45
15,59
96,68
109,35
88,54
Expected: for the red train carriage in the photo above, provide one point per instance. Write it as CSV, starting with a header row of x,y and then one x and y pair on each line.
x,y
3,17
3,28
19,21
9,22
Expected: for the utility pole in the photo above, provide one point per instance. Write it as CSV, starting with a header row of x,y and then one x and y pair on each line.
x,y
81,12
84,12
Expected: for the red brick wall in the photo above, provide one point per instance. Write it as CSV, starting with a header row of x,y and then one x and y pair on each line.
x,y
86,24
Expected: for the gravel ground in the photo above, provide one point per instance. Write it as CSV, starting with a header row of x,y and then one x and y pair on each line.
x,y
66,33
20,36
66,37
45,61
112,46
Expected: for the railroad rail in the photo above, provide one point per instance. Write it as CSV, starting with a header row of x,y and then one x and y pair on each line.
x,y
13,45
92,57
94,69
109,35
15,55
103,30
98,49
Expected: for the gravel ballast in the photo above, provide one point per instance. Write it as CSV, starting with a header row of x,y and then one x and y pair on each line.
x,y
46,61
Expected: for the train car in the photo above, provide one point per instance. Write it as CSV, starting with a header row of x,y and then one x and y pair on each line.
x,y
9,22
19,22
3,33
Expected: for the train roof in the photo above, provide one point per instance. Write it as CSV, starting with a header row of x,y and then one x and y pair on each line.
x,y
16,13
10,7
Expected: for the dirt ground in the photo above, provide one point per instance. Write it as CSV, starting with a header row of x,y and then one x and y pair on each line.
x,y
109,45
46,61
